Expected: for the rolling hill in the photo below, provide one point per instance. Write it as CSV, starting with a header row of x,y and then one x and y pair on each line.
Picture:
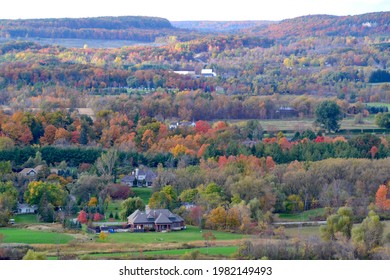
x,y
327,25
145,29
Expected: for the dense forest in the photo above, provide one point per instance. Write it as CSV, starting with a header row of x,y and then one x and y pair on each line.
x,y
279,118
110,28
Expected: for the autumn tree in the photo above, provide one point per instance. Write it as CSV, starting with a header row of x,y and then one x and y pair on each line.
x,y
82,217
6,143
49,136
119,191
217,218
196,215
381,200
38,191
233,218
202,127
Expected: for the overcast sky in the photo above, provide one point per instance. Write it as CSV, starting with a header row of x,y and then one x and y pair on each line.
x,y
188,10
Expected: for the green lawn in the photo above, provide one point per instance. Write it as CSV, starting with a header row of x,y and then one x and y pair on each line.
x,y
304,216
16,235
143,193
26,219
218,251
307,123
188,235
113,207
224,251
378,104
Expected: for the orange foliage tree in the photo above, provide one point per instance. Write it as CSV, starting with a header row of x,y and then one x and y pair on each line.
x,y
381,200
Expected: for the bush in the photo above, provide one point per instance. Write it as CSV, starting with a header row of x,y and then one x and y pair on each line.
x,y
119,191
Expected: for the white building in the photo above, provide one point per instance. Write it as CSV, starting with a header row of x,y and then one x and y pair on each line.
x,y
208,73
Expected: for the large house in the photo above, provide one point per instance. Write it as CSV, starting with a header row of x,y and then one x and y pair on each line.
x,y
155,219
140,178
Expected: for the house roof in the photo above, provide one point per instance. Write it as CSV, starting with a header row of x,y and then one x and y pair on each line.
x,y
149,176
156,216
162,219
26,206
26,171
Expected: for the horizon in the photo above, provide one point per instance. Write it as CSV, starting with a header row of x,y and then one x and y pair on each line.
x,y
190,20
203,10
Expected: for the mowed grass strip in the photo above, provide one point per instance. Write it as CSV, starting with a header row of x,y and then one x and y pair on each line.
x,y
16,235
223,251
188,235
304,216
212,251
26,219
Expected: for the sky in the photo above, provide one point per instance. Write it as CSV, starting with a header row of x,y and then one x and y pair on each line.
x,y
178,10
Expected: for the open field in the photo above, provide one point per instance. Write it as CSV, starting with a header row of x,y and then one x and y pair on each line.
x,y
307,123
379,104
26,219
189,235
302,217
212,251
17,235
143,193
79,43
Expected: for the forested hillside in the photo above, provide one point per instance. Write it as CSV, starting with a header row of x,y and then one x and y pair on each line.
x,y
109,28
326,25
241,127
221,26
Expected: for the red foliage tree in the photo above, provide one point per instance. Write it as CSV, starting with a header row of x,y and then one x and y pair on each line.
x,y
82,217
97,217
373,151
269,163
118,191
202,127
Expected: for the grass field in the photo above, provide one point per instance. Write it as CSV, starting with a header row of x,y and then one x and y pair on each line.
x,y
379,104
307,123
212,251
188,235
304,216
79,43
26,219
16,235
143,193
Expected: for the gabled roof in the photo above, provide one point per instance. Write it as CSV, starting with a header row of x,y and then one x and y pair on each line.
x,y
162,219
26,206
128,179
141,219
149,176
28,172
